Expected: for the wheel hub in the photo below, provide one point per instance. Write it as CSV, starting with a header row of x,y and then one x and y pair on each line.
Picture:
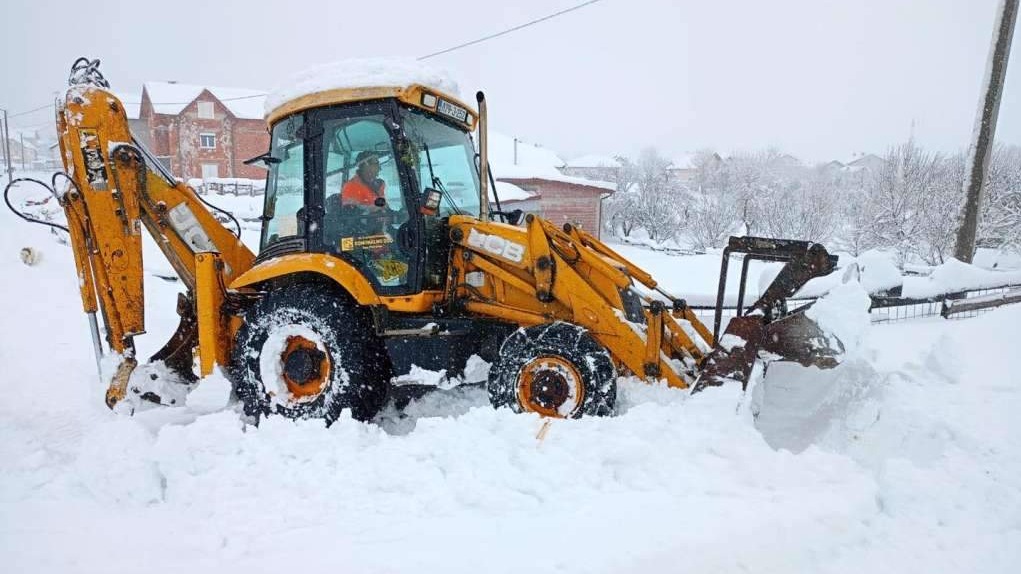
x,y
306,368
549,389
550,386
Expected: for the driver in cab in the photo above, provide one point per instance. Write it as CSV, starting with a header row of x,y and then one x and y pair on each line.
x,y
360,216
365,189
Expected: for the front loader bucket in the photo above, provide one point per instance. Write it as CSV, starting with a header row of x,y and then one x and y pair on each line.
x,y
766,326
799,339
794,338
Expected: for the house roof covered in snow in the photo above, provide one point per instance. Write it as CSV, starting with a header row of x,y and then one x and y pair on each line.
x,y
529,156
510,192
170,98
132,104
864,161
682,161
533,162
594,160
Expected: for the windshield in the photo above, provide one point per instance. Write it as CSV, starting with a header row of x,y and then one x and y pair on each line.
x,y
444,159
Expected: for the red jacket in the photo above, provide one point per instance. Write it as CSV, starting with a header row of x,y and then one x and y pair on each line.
x,y
356,191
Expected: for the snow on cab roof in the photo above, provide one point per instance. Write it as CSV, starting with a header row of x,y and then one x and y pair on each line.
x,y
360,73
171,97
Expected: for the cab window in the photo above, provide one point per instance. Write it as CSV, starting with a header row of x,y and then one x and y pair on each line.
x,y
364,206
285,186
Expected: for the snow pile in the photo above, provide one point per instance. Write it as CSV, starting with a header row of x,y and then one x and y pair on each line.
x,y
878,272
844,312
211,394
955,276
360,73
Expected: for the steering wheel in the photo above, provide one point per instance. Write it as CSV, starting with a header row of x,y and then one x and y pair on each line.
x,y
404,239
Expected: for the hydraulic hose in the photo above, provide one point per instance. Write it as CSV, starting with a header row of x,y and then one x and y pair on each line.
x,y
28,218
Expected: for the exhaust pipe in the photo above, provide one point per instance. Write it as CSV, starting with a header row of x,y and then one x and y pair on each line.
x,y
483,156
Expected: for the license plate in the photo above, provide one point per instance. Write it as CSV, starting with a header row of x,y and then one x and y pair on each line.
x,y
448,109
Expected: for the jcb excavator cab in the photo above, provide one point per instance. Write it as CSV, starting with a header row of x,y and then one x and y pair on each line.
x,y
353,180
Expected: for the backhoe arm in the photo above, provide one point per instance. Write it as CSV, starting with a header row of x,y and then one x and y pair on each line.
x,y
119,188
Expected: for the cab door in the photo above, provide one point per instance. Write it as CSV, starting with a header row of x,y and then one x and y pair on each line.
x,y
362,201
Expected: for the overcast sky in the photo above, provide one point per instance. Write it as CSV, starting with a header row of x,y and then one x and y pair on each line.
x,y
816,78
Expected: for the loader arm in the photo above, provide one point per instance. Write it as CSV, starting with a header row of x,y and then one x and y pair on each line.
x,y
543,274
117,189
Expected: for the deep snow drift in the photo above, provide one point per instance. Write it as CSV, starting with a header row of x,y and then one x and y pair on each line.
x,y
904,459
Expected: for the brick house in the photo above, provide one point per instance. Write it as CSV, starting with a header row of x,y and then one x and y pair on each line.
x,y
531,178
202,132
561,199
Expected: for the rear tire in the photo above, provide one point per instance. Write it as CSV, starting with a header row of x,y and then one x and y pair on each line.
x,y
557,370
308,352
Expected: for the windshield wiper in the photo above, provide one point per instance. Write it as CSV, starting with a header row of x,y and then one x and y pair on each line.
x,y
439,184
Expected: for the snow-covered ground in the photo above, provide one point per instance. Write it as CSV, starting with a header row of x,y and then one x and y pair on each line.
x,y
905,459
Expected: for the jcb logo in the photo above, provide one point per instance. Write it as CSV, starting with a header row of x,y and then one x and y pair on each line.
x,y
496,245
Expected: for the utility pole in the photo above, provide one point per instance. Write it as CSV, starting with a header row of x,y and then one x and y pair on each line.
x,y
7,149
981,148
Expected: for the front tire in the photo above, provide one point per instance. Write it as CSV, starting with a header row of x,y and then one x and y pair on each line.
x,y
308,352
557,370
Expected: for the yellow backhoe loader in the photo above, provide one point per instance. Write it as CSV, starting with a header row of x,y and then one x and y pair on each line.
x,y
380,249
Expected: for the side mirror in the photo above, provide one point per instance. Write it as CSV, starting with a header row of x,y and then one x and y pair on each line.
x,y
509,217
264,161
431,201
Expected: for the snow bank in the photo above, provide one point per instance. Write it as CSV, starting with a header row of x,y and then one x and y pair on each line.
x,y
954,276
843,313
360,73
211,394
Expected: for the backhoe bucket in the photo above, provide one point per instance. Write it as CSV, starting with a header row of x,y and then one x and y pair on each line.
x,y
767,330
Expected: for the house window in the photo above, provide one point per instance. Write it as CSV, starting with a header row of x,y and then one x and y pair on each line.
x,y
207,141
206,111
210,170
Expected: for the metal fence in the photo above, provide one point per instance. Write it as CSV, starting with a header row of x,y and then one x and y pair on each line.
x,y
895,309
892,309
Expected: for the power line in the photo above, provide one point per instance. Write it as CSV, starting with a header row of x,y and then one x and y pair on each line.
x,y
509,30
190,101
32,111
48,106
425,57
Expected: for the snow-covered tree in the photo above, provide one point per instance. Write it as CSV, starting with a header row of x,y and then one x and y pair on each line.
x,y
1000,222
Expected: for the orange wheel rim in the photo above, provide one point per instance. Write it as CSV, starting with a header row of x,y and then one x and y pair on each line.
x,y
306,368
550,386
